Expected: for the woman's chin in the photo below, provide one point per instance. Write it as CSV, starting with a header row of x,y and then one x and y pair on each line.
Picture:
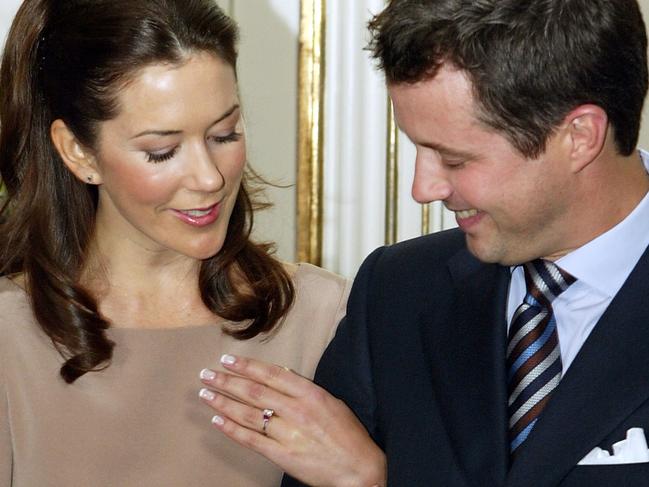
x,y
204,252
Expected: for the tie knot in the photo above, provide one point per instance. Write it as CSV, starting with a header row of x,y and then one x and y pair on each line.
x,y
545,280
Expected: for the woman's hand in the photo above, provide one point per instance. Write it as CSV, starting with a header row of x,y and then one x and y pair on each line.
x,y
297,425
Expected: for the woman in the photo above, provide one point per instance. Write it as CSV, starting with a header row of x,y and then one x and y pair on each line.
x,y
126,249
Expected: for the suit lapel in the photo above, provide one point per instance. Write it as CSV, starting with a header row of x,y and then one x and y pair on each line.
x,y
607,381
467,363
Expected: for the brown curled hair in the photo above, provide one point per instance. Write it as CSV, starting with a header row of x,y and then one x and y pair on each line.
x,y
67,60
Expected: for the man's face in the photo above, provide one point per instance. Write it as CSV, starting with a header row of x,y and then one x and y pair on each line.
x,y
512,209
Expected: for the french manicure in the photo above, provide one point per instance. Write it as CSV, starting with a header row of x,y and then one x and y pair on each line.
x,y
206,394
218,420
228,359
207,374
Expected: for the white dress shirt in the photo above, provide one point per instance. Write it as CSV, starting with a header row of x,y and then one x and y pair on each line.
x,y
601,267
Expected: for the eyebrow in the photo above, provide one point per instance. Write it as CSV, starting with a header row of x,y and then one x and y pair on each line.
x,y
163,133
448,151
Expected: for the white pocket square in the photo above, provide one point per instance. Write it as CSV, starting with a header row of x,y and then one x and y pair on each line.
x,y
632,450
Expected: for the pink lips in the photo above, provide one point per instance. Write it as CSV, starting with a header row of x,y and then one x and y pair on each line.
x,y
212,213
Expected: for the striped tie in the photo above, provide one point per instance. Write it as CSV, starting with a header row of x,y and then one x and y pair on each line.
x,y
533,354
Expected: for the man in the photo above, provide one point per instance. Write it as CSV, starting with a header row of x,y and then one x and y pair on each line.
x,y
504,352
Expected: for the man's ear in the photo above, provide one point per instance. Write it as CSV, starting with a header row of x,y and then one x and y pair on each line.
x,y
79,160
587,128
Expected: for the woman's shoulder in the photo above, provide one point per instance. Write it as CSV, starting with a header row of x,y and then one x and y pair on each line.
x,y
319,294
16,316
13,298
306,330
313,280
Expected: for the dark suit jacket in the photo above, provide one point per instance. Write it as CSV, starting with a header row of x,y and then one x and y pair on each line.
x,y
420,358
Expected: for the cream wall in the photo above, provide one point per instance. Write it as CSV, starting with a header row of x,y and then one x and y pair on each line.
x,y
268,83
7,11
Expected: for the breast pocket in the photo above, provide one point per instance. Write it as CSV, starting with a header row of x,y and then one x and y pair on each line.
x,y
631,475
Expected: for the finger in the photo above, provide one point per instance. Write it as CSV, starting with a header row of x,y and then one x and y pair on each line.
x,y
247,416
245,390
280,378
252,439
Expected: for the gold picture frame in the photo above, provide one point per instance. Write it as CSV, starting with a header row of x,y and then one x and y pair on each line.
x,y
311,87
311,130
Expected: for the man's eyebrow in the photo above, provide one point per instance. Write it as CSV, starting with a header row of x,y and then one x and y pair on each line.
x,y
163,133
447,151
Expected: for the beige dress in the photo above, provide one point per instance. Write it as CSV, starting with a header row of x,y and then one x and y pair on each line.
x,y
139,423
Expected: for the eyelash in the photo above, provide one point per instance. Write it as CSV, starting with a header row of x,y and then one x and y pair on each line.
x,y
157,158
454,164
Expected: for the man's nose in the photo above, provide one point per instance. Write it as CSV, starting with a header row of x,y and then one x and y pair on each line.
x,y
431,182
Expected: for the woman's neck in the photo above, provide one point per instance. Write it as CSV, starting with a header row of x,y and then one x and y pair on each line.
x,y
146,290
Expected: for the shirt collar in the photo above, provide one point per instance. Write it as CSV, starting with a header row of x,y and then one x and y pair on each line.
x,y
605,262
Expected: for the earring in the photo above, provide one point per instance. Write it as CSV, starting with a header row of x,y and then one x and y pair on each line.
x,y
89,178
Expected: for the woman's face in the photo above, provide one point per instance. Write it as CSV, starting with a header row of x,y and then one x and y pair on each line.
x,y
170,164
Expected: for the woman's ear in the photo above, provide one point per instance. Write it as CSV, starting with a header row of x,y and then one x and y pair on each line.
x,y
80,161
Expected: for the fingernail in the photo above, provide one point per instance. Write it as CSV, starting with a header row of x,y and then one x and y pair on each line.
x,y
206,394
207,374
218,420
228,359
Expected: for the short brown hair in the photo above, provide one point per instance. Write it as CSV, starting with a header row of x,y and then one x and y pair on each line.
x,y
530,62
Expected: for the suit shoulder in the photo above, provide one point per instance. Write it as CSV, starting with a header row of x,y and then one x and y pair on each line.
x,y
422,253
444,243
413,268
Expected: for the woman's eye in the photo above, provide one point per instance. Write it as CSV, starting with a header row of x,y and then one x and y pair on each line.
x,y
224,139
162,156
156,157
